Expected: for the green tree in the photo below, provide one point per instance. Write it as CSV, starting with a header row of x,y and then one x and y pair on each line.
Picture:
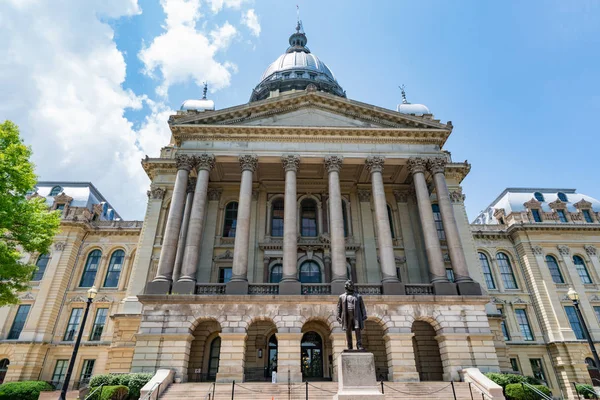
x,y
25,225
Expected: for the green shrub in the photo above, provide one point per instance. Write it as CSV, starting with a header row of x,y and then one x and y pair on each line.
x,y
118,392
507,379
26,390
587,391
134,383
514,391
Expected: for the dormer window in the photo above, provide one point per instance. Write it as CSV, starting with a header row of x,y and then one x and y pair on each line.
x,y
562,216
55,191
562,197
538,196
537,217
587,216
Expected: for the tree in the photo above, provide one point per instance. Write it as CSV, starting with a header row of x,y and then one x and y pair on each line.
x,y
26,225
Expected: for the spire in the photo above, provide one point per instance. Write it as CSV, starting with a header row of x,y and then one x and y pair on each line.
x,y
204,90
404,101
298,39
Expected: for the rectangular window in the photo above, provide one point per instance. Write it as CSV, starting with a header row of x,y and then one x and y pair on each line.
x,y
86,371
574,321
224,275
562,216
437,218
538,369
19,322
450,274
60,371
524,326
514,363
61,208
505,333
536,215
587,216
597,312
74,320
99,323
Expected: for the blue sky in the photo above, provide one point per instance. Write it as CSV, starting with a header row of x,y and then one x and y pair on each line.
x,y
519,80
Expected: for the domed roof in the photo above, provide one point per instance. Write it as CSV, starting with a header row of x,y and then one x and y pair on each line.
x,y
199,105
409,108
296,69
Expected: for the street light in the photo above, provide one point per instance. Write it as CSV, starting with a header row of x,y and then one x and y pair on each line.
x,y
574,297
91,293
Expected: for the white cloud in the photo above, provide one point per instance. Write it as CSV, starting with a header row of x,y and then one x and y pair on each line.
x,y
250,19
182,52
217,5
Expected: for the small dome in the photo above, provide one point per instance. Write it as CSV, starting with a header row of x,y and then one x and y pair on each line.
x,y
198,105
415,109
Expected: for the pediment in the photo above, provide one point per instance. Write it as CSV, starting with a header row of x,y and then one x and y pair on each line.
x,y
314,117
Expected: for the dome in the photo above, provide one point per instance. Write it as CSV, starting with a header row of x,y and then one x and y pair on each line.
x,y
409,108
296,69
199,105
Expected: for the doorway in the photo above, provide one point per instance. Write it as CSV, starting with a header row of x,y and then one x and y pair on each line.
x,y
312,356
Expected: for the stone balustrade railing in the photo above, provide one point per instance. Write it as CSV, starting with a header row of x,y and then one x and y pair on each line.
x,y
270,289
263,288
316,288
419,289
210,288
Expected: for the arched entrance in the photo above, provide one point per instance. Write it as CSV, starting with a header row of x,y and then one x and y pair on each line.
x,y
3,368
593,371
427,352
312,356
373,341
261,351
205,349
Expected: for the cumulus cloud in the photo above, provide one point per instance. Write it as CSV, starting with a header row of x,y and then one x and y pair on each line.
x,y
217,5
182,52
250,19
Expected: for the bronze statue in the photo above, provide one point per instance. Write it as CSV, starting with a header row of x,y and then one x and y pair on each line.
x,y
351,314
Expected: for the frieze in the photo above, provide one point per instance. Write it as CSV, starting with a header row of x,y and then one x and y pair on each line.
x,y
27,296
104,299
78,299
334,163
375,163
563,250
248,162
519,300
496,300
290,162
594,299
590,250
227,255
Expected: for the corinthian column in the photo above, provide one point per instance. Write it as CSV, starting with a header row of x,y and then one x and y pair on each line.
x,y
387,261
465,284
162,282
336,225
187,281
437,271
239,278
289,283
184,228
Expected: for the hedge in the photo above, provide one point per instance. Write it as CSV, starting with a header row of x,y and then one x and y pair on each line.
x,y
514,391
134,382
25,390
587,391
507,379
118,392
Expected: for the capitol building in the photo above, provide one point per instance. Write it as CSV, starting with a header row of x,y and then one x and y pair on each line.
x,y
258,213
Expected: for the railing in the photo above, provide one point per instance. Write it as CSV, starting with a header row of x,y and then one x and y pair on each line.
x,y
584,389
535,390
368,289
155,387
210,288
92,393
263,288
316,288
419,290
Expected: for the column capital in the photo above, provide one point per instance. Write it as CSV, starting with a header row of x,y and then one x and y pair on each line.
x,y
191,186
156,193
248,162
375,163
563,250
334,163
185,162
291,162
401,196
205,161
437,165
416,165
214,194
364,195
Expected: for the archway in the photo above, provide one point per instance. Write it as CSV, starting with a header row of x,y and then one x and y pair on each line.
x,y
427,352
205,350
315,351
3,368
374,342
593,371
261,351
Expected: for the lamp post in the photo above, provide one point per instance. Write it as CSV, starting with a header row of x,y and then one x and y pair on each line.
x,y
574,297
91,293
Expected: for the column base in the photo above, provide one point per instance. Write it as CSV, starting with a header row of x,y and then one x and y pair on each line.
x,y
290,287
393,288
184,287
338,287
469,288
236,287
444,289
158,287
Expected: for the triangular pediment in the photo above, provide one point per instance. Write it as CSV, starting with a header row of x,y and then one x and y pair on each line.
x,y
309,109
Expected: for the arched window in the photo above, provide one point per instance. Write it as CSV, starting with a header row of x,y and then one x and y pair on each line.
x,y
115,266
213,359
345,217
41,264
90,269
591,364
55,191
487,271
4,363
277,218
582,269
391,219
310,272
539,197
230,224
554,270
276,273
562,197
506,271
272,354
308,217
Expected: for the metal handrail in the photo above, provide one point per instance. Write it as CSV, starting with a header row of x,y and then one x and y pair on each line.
x,y
211,390
93,391
535,390
584,388
151,391
480,388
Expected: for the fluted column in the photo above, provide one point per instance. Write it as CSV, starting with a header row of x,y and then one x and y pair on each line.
x,y
239,279
184,228
437,271
162,282
187,282
387,261
289,283
336,225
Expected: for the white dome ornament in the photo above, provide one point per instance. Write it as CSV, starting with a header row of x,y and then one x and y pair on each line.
x,y
412,109
198,105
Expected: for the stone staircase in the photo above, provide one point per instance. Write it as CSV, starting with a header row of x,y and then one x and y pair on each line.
x,y
316,391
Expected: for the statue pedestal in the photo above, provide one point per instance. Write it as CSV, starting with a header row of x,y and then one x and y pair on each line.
x,y
356,377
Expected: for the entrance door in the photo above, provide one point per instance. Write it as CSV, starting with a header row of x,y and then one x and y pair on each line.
x,y
593,371
312,356
213,361
272,356
3,368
